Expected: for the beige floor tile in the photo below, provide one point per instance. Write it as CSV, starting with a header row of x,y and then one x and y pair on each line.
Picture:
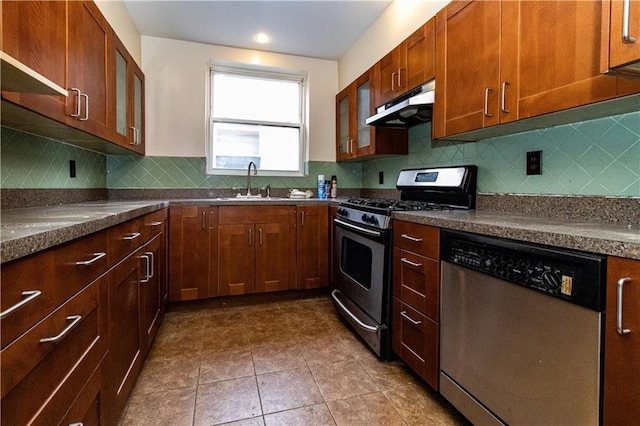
x,y
365,410
342,380
172,342
224,318
387,374
419,405
168,408
224,339
313,415
288,389
254,421
228,401
277,357
325,350
219,366
160,374
271,333
356,347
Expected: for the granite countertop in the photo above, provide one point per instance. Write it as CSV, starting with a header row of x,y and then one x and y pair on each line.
x,y
614,239
28,230
24,231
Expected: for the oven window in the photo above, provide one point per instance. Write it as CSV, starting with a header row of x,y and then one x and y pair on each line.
x,y
356,261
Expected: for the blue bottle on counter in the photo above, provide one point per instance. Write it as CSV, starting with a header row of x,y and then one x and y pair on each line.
x,y
320,186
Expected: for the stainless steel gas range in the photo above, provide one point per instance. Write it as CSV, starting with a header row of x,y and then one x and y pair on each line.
x,y
363,237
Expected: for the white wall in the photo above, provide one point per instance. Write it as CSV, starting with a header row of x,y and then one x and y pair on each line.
x,y
118,17
395,24
176,74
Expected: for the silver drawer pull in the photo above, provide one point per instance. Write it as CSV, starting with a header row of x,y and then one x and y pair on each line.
x,y
28,297
147,277
408,262
97,257
621,330
76,424
158,223
75,319
410,238
132,236
407,317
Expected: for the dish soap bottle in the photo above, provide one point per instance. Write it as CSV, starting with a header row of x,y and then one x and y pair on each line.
x,y
334,186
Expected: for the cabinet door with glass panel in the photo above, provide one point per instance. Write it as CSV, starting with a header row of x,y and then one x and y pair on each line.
x,y
345,123
128,102
354,105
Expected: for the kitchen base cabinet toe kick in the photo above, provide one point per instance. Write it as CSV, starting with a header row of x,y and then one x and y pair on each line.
x,y
77,321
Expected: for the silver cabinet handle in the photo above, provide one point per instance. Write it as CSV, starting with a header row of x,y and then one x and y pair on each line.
x,y
408,318
503,105
77,113
86,107
400,76
152,262
621,330
410,238
133,136
76,424
28,297
486,101
626,37
136,133
260,235
408,262
156,223
393,81
148,274
203,219
250,237
97,256
302,218
75,319
133,236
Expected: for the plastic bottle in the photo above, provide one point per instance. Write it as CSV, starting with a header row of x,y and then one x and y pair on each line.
x,y
320,186
327,189
334,186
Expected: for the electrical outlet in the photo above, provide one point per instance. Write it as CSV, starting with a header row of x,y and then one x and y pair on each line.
x,y
72,168
534,163
381,178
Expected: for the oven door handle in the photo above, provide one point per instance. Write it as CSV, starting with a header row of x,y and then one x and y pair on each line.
x,y
353,317
357,228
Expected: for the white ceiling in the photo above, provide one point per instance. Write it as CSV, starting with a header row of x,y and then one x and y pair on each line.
x,y
319,29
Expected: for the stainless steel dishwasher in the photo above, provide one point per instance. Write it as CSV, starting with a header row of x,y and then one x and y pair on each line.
x,y
521,331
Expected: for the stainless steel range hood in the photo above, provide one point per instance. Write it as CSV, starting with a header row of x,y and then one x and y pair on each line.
x,y
414,107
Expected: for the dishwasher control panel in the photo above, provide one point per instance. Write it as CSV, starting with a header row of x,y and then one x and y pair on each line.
x,y
574,276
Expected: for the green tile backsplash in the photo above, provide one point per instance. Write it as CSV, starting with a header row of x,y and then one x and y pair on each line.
x,y
29,161
597,157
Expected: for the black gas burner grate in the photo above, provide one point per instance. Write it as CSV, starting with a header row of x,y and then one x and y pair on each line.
x,y
390,204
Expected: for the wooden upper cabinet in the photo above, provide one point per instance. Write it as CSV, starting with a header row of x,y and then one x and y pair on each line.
x,y
421,54
407,66
88,58
621,37
354,137
498,62
35,33
621,399
467,67
127,104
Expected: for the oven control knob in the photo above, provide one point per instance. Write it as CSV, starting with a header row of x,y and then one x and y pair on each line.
x,y
343,212
551,280
369,219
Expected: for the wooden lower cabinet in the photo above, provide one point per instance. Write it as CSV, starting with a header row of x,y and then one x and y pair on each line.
x,y
152,284
256,249
312,247
416,298
621,402
193,239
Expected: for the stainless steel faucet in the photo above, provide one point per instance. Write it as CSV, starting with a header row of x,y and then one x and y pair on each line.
x,y
255,173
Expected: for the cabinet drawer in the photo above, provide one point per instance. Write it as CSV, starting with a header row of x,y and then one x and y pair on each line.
x,y
416,341
124,239
28,294
45,377
153,224
57,274
421,239
416,281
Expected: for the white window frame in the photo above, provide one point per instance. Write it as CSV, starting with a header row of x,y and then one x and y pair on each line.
x,y
263,72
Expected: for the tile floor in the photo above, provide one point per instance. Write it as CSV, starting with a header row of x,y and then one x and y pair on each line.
x,y
274,362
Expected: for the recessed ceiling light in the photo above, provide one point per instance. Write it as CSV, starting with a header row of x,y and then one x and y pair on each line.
x,y
262,38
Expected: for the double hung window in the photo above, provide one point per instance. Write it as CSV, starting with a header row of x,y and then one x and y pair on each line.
x,y
258,116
